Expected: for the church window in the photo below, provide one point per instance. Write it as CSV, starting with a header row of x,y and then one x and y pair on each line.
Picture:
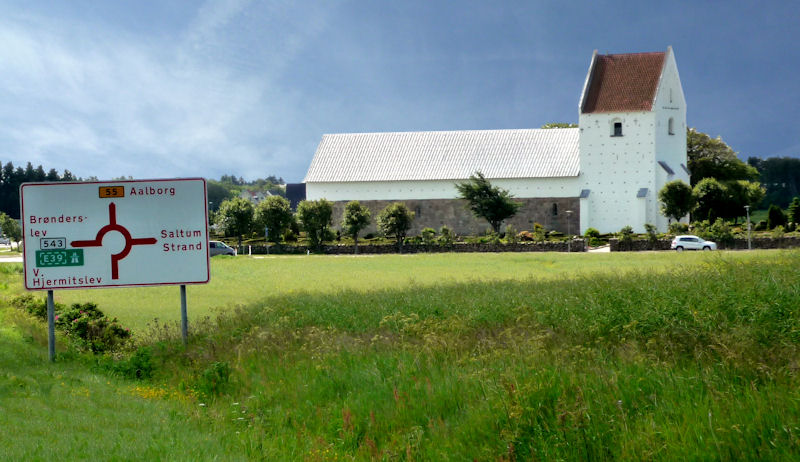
x,y
671,126
617,129
555,210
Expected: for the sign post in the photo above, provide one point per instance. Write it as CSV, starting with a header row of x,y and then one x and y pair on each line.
x,y
125,233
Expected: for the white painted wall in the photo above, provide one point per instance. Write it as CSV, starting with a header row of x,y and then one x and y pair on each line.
x,y
614,168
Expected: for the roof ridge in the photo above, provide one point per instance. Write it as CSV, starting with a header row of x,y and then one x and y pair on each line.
x,y
451,131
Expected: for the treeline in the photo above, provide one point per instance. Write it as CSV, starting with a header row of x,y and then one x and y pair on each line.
x,y
780,177
11,178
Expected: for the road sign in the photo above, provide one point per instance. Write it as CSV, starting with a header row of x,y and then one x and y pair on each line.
x,y
116,233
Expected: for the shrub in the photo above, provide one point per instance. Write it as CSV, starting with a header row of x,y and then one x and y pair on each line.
x,y
428,236
719,232
760,226
775,217
539,233
289,236
592,232
778,232
214,380
446,236
652,234
676,228
525,236
84,324
511,235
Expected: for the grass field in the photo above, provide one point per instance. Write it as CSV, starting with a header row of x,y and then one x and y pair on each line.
x,y
653,356
243,280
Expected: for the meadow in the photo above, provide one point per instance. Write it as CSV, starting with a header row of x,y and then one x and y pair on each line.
x,y
428,357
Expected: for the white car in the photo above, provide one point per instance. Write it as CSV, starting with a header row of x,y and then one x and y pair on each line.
x,y
688,242
219,248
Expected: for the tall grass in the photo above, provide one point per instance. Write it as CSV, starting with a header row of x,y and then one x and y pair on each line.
x,y
688,363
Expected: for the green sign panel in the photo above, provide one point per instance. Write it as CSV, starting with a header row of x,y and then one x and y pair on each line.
x,y
60,257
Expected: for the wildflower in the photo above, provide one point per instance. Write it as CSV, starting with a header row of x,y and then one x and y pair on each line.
x,y
56,317
202,404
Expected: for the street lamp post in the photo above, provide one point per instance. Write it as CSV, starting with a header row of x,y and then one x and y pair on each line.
x,y
569,233
747,209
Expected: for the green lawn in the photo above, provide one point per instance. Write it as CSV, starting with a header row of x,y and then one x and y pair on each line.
x,y
640,356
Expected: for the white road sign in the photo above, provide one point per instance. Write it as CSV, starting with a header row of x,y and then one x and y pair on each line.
x,y
116,233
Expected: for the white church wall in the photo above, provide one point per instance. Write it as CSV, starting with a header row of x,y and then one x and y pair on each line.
x,y
615,168
670,112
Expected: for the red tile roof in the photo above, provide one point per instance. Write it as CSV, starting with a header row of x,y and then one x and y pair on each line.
x,y
623,83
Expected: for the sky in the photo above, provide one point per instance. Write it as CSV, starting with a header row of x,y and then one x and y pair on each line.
x,y
162,89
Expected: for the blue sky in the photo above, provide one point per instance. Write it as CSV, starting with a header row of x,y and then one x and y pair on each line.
x,y
156,89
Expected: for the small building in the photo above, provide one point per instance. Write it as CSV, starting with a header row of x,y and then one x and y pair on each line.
x,y
605,174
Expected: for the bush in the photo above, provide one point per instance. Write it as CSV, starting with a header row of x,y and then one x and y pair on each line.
x,y
719,232
626,235
677,228
511,235
539,233
84,324
428,236
652,234
760,226
591,232
775,217
446,236
778,232
525,236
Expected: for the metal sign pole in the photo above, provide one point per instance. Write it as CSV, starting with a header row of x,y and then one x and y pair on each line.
x,y
51,326
184,318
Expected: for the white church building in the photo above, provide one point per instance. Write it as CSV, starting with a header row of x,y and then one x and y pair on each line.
x,y
605,174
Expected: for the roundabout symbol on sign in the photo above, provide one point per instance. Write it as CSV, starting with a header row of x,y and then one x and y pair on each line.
x,y
113,226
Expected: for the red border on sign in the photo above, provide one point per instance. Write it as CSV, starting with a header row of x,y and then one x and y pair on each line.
x,y
153,284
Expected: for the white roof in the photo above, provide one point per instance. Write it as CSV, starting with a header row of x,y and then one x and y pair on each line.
x,y
450,155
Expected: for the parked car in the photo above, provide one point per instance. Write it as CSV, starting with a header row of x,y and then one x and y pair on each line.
x,y
689,242
219,248
5,241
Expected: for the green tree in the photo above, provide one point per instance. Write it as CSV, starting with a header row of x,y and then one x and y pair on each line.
x,y
775,217
10,228
741,193
559,125
355,218
395,220
235,217
315,218
794,210
781,176
712,158
489,202
217,194
275,214
711,198
677,200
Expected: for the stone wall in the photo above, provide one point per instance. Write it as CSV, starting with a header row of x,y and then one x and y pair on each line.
x,y
737,244
577,245
435,213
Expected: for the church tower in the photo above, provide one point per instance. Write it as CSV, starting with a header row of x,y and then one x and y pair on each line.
x,y
632,119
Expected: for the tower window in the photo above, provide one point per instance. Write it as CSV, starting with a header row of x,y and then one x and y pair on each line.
x,y
555,210
671,126
617,129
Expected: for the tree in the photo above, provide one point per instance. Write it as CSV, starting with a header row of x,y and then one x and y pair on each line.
x,y
275,214
712,158
315,218
775,217
395,220
780,176
711,198
235,217
677,200
10,228
355,218
794,210
489,202
559,125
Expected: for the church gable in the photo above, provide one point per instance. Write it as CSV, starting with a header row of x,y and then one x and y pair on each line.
x,y
622,83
